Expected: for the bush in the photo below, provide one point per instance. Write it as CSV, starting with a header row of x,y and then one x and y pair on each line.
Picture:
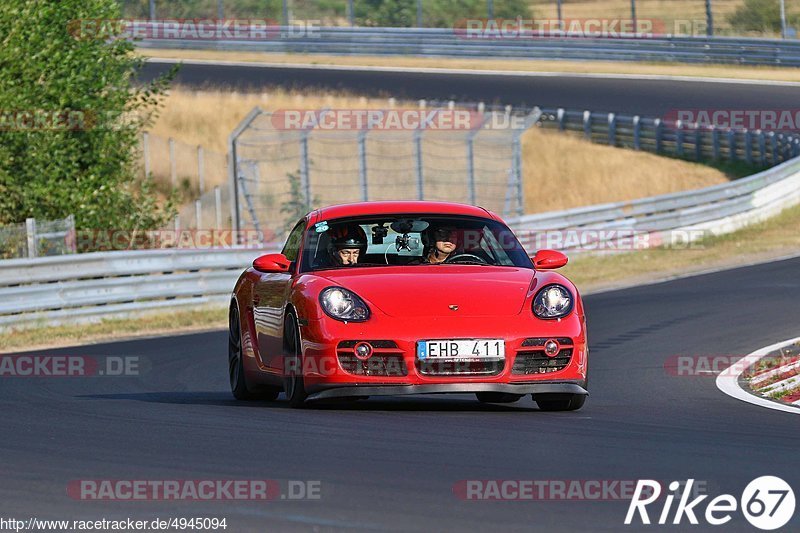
x,y
88,168
757,15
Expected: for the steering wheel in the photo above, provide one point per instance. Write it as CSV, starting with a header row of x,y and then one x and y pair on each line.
x,y
467,258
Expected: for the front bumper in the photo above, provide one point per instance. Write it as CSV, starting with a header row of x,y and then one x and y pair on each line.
x,y
323,368
321,392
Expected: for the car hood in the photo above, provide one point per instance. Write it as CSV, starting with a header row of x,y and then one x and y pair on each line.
x,y
423,291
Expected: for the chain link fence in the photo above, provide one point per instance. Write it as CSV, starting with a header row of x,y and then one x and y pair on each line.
x,y
38,238
282,171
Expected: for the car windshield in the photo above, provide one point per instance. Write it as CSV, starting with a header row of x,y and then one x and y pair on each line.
x,y
411,240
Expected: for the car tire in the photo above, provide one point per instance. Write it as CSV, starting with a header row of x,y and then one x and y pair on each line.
x,y
294,384
559,402
498,397
238,379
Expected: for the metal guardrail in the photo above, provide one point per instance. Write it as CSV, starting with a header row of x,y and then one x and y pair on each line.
x,y
714,210
86,287
449,42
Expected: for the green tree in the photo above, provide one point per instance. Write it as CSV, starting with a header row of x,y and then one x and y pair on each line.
x,y
757,15
76,77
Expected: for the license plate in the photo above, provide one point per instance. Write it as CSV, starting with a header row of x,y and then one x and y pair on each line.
x,y
462,350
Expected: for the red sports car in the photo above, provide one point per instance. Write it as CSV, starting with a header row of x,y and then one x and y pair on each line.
x,y
391,298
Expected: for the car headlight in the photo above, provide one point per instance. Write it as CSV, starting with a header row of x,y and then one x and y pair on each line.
x,y
341,304
552,301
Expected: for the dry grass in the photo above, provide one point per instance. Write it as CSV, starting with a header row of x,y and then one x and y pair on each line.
x,y
571,172
668,11
517,65
565,169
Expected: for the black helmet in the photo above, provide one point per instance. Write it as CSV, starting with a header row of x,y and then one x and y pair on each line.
x,y
348,236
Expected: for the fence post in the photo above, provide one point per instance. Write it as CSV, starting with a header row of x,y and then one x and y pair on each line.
x,y
418,157
30,230
774,143
220,10
173,164
562,118
152,9
679,138
305,184
362,164
218,207
146,153
198,213
637,132
715,142
698,143
201,169
470,171
177,224
762,147
748,146
587,125
72,237
517,165
612,129
732,145
658,133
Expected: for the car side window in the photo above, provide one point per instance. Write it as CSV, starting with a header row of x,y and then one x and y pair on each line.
x,y
292,247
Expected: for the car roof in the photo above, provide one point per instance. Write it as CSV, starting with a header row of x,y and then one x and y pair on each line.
x,y
398,207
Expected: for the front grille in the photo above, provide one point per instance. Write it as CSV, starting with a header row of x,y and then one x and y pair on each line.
x,y
531,359
460,368
386,360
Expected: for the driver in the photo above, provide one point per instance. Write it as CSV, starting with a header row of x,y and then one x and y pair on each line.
x,y
442,242
347,244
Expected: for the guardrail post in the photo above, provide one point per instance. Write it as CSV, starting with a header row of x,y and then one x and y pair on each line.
x,y
612,129
659,134
731,145
561,115
637,132
305,184
679,138
587,125
146,153
218,207
715,142
762,147
698,143
30,231
201,169
362,164
773,139
781,155
748,147
796,147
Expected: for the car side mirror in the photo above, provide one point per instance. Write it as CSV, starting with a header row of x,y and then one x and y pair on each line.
x,y
549,260
272,263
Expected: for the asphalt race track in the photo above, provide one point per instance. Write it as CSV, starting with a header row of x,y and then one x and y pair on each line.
x,y
391,464
645,97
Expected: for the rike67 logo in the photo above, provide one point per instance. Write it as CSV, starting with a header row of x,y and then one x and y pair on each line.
x,y
767,503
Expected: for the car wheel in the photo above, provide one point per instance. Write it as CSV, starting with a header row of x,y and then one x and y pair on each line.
x,y
238,381
295,386
560,402
498,397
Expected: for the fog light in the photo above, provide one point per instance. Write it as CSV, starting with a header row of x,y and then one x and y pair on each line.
x,y
363,350
551,348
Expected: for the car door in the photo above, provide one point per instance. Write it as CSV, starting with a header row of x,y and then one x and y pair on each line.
x,y
269,302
